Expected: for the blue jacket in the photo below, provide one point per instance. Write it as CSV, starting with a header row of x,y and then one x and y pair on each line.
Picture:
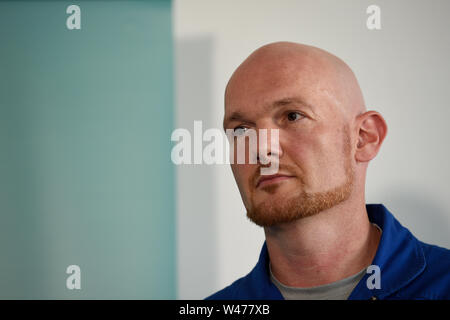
x,y
409,268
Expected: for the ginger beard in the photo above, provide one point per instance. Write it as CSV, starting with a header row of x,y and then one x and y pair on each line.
x,y
290,208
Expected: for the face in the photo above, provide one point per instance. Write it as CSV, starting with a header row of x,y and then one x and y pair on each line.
x,y
314,150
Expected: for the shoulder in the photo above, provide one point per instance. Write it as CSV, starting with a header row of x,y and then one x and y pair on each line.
x,y
255,285
231,292
437,264
434,281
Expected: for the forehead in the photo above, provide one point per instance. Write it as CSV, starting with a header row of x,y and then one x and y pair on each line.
x,y
256,77
253,88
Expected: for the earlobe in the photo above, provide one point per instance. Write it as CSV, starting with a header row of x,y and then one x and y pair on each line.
x,y
372,130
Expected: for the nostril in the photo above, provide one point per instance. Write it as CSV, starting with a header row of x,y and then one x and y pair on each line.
x,y
269,154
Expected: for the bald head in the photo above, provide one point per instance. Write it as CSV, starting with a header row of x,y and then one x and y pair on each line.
x,y
314,69
325,137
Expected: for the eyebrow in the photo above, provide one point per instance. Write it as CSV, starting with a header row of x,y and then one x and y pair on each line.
x,y
238,116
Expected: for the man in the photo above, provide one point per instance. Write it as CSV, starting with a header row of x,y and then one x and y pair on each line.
x,y
322,240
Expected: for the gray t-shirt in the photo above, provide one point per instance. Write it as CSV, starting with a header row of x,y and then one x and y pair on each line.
x,y
338,290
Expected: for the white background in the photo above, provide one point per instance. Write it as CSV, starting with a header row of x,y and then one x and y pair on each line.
x,y
403,70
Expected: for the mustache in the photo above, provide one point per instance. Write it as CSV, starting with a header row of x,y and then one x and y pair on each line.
x,y
283,168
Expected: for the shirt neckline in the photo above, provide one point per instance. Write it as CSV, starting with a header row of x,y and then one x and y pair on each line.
x,y
321,288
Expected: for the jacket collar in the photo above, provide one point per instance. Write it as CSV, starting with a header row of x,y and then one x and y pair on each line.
x,y
399,256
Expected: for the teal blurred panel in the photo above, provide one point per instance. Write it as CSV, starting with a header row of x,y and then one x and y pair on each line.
x,y
85,172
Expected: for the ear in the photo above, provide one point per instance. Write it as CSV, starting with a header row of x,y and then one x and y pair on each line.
x,y
372,130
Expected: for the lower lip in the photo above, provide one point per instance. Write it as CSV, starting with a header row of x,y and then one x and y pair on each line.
x,y
273,180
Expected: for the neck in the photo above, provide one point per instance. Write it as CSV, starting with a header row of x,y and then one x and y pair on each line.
x,y
329,246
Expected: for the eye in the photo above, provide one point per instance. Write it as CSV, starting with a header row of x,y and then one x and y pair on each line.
x,y
294,116
239,131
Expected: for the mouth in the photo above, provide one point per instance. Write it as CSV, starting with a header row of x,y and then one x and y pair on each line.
x,y
271,179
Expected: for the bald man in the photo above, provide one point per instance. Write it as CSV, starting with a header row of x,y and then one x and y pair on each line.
x,y
322,240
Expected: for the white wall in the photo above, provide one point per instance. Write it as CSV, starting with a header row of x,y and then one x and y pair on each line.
x,y
403,70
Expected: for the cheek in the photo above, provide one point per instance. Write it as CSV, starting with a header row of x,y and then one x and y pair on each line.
x,y
242,174
317,154
299,147
330,159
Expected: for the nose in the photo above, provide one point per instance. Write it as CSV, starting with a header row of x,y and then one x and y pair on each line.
x,y
269,148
